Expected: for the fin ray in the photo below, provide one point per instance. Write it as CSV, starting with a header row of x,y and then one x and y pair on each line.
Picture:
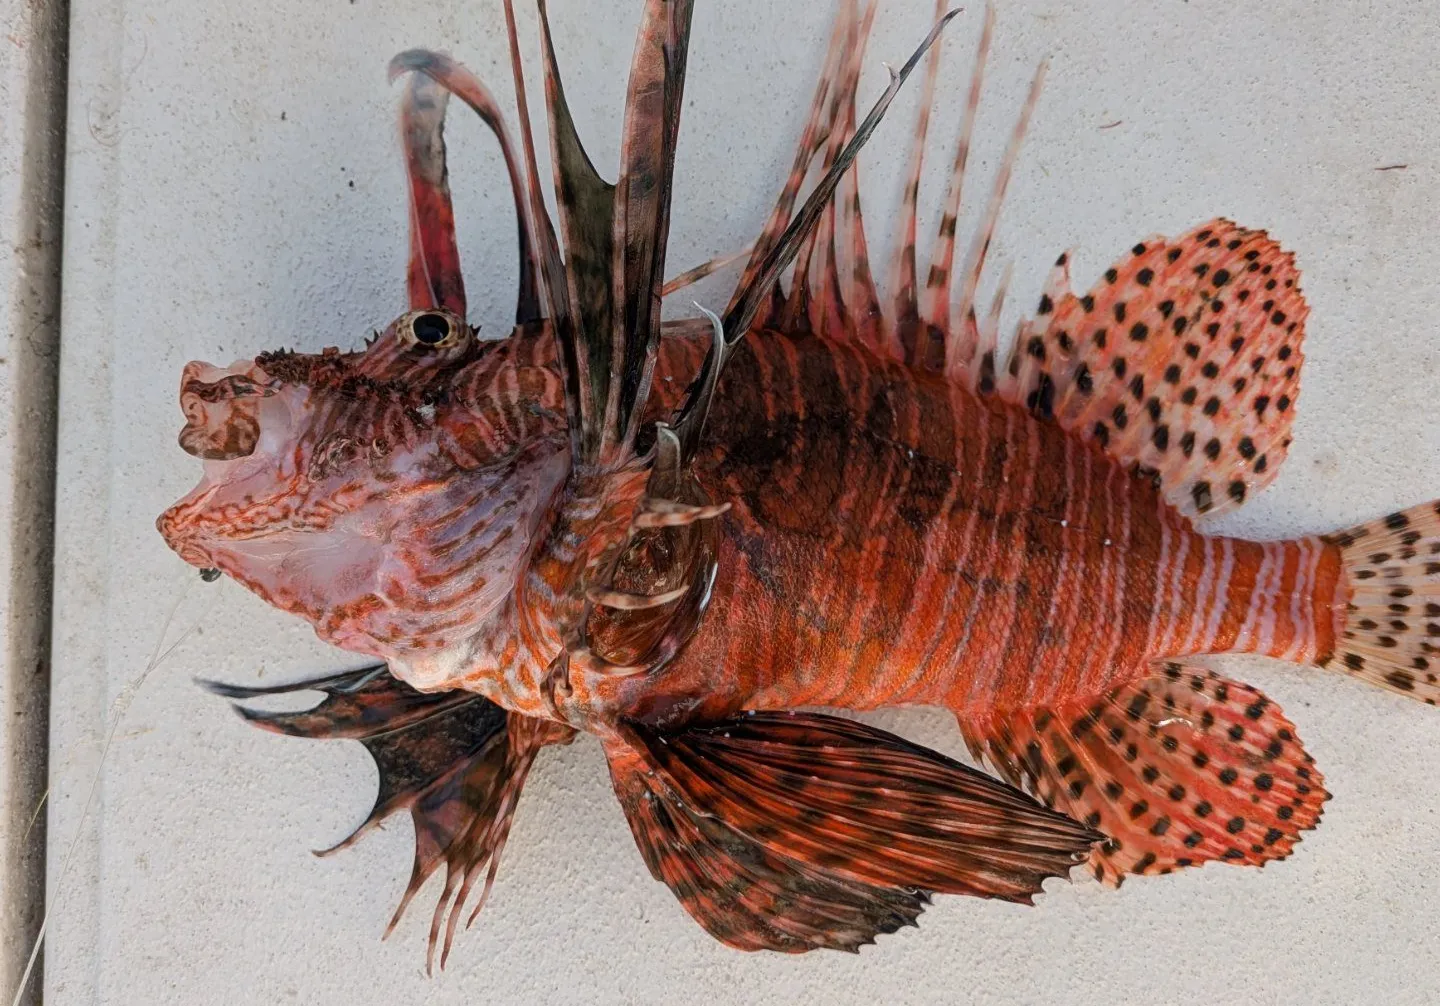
x,y
797,831
456,761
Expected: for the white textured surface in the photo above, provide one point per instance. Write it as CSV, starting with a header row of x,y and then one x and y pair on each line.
x,y
235,185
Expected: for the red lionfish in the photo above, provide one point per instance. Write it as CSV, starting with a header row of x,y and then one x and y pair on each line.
x,y
673,535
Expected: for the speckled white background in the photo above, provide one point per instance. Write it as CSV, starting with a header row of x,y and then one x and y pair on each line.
x,y
235,185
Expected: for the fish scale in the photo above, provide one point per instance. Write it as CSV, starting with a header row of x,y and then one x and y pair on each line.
x,y
677,536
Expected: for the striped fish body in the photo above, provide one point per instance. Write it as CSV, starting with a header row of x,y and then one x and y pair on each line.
x,y
898,539
677,543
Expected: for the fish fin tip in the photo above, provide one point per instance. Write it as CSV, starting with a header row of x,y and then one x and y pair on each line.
x,y
455,761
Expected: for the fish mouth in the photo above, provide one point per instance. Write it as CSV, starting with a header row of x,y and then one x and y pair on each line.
x,y
387,558
199,523
246,429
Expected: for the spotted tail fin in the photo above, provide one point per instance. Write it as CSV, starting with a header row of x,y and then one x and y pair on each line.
x,y
456,761
1391,633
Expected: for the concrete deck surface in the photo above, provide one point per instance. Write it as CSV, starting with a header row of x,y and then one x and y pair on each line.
x,y
234,185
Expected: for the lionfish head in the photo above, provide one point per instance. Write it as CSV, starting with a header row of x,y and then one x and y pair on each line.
x,y
388,496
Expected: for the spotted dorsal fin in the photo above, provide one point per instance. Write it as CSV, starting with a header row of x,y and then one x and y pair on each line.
x,y
1184,360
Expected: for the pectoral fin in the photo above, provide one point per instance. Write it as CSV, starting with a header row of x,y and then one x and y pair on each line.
x,y
793,832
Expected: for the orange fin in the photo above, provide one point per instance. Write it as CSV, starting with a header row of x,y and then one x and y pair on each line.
x,y
1391,635
832,290
1184,359
794,832
904,281
454,760
1177,769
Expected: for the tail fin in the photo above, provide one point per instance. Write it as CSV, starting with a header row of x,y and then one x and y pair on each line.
x,y
455,760
794,832
1391,635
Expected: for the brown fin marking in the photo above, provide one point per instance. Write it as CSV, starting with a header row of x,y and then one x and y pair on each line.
x,y
587,224
936,309
642,211
435,261
1181,768
740,892
747,305
863,311
812,139
903,281
550,263
959,358
815,301
836,292
1391,633
787,831
849,301
454,760
433,277
1184,359
615,238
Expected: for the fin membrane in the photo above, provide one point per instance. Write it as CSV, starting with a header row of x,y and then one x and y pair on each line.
x,y
1177,769
1184,359
1391,635
454,760
793,832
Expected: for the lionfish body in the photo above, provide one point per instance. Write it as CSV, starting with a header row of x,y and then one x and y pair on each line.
x,y
673,535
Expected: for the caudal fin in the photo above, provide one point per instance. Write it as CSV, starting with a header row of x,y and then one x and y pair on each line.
x,y
793,832
1391,634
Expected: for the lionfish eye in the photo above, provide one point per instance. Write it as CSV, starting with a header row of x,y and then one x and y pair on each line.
x,y
432,329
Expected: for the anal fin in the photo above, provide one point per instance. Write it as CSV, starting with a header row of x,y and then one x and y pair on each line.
x,y
454,760
1177,769
793,832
